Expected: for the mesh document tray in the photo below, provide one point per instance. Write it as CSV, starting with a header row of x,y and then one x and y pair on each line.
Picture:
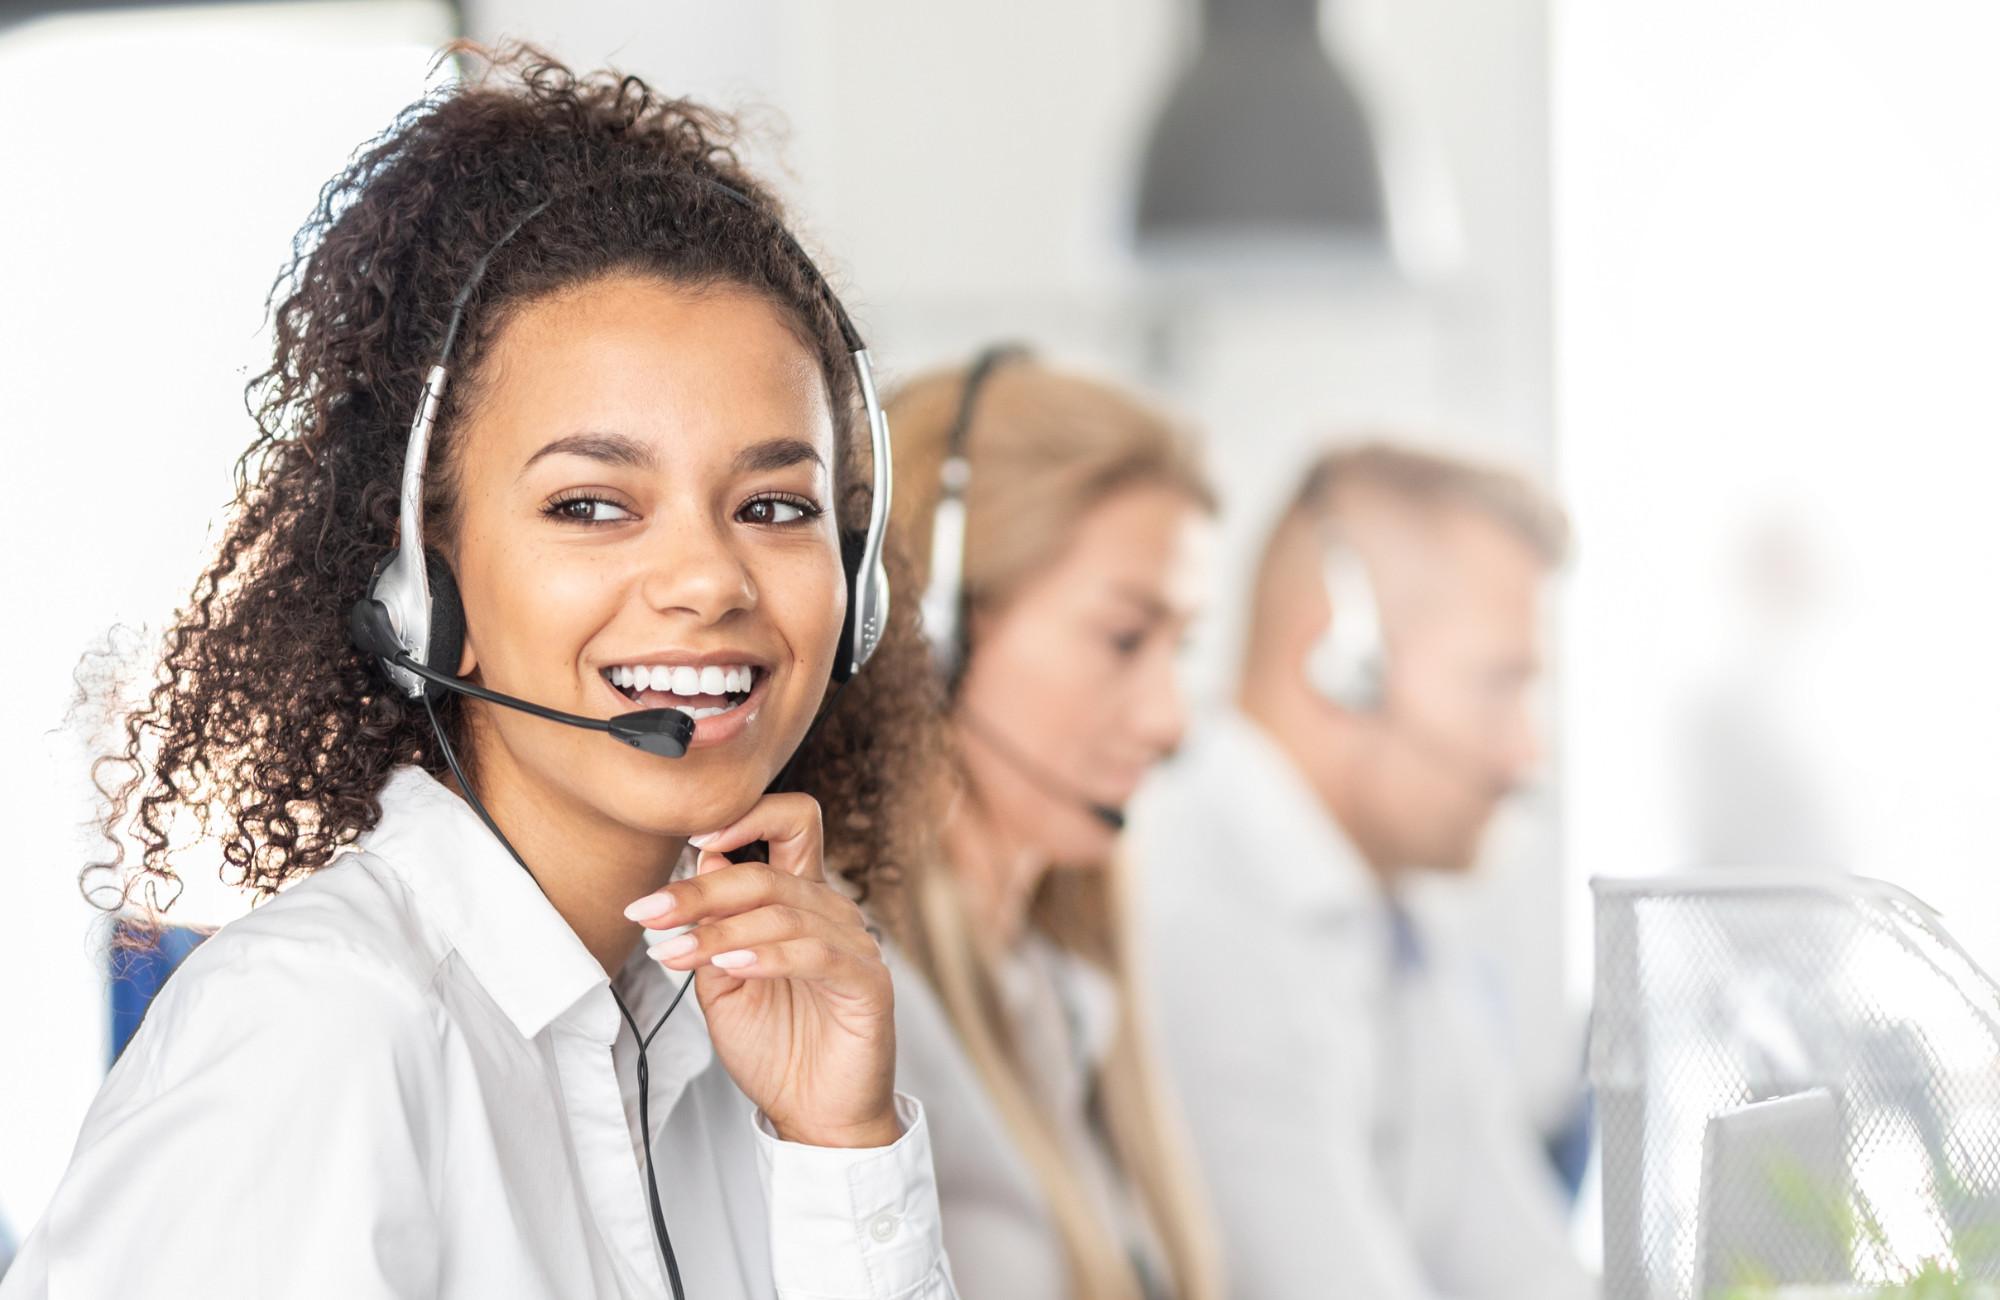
x,y
1798,1079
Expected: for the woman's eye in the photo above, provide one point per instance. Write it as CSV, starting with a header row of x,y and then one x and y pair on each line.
x,y
1128,644
588,510
778,510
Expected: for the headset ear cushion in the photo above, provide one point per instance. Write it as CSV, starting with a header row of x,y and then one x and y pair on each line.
x,y
447,622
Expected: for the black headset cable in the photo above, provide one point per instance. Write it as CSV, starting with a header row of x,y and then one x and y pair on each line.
x,y
644,1041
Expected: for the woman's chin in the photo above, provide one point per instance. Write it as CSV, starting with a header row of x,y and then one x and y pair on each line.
x,y
1076,838
692,808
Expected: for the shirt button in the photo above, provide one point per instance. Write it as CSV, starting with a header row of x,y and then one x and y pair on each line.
x,y
883,1226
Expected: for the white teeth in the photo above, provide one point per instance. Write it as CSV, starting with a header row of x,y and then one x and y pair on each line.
x,y
733,679
699,714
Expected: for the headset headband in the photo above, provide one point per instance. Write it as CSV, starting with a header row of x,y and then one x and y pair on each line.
x,y
943,606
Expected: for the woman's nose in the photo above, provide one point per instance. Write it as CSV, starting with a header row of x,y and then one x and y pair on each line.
x,y
692,569
1159,714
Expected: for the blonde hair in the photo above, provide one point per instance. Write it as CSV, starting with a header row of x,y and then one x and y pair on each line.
x,y
1046,447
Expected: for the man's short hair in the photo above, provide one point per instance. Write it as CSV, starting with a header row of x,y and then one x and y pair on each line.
x,y
1428,481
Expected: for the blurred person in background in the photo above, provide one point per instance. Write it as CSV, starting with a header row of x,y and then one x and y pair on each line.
x,y
1758,792
1060,523
409,1074
1356,1131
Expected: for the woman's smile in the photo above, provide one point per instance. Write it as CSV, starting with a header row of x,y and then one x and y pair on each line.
x,y
721,690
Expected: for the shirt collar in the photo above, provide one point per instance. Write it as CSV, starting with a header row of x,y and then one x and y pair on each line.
x,y
1296,854
511,937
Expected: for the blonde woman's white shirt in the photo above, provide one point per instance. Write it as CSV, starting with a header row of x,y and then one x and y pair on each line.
x,y
1355,1128
1003,1242
407,1077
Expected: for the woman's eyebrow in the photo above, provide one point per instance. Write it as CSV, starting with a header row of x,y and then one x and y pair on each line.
x,y
1146,602
612,448
776,453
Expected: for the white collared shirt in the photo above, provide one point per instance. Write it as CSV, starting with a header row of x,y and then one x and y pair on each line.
x,y
397,1079
1357,1132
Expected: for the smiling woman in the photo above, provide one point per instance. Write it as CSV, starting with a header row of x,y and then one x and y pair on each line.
x,y
644,487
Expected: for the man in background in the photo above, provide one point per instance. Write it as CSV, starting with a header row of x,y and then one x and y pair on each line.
x,y
1357,1132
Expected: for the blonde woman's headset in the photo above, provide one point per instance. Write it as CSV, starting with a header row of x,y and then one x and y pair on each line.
x,y
944,600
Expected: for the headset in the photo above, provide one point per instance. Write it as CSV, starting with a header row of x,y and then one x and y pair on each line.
x,y
943,606
1348,666
411,622
1349,663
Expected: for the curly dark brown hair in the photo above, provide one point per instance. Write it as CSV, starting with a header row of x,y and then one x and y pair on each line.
x,y
263,728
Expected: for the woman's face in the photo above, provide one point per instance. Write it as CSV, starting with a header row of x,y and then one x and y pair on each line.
x,y
645,520
1070,693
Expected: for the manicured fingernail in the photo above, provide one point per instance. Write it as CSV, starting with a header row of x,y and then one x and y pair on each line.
x,y
668,949
702,841
650,908
736,959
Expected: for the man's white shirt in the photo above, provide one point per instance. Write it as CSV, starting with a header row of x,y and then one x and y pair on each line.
x,y
406,1076
1358,1135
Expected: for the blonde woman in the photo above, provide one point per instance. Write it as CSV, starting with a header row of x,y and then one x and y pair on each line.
x,y
1059,523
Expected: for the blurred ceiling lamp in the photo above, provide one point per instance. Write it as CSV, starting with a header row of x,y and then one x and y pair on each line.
x,y
1264,152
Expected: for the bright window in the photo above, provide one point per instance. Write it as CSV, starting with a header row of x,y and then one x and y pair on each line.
x,y
156,164
1778,280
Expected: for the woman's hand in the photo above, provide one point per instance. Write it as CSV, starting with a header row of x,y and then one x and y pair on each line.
x,y
798,1001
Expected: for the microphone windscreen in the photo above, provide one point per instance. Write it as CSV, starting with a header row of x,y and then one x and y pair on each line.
x,y
665,732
